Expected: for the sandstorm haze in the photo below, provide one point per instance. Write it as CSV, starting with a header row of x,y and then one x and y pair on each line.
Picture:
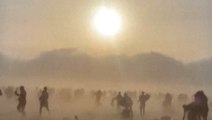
x,y
156,46
179,29
158,41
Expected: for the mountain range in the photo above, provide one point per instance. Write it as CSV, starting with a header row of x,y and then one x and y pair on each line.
x,y
69,63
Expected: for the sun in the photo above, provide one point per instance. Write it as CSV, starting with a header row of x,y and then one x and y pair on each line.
x,y
107,21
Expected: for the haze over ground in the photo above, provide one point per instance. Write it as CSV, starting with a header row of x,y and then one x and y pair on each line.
x,y
162,46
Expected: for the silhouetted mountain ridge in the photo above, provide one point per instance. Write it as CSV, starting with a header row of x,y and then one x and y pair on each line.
x,y
72,64
201,70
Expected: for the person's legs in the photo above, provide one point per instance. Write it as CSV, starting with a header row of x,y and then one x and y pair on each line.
x,y
118,106
23,105
131,113
23,112
19,107
143,110
47,107
205,116
41,106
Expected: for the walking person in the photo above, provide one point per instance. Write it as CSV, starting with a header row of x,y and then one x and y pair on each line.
x,y
22,100
44,100
143,99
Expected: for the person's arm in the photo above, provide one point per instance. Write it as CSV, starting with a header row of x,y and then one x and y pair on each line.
x,y
188,106
41,96
16,93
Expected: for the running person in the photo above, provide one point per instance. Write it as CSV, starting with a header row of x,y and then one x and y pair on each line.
x,y
44,100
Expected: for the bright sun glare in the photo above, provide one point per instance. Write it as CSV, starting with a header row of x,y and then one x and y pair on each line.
x,y
107,21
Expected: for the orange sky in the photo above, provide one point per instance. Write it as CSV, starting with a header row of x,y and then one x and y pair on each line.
x,y
180,29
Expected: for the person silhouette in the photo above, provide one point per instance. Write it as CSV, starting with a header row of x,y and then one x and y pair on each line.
x,y
143,99
118,99
168,100
76,117
22,100
44,100
198,108
98,97
127,104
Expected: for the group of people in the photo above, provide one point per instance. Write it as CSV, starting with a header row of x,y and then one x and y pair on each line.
x,y
21,93
197,110
126,102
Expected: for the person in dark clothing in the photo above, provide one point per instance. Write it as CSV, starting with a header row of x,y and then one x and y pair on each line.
x,y
127,104
198,109
44,100
98,97
22,100
168,100
143,99
118,99
76,117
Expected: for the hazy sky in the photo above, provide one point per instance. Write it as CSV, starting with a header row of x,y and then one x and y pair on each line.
x,y
178,28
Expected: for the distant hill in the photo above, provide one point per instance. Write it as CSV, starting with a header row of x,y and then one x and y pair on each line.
x,y
158,66
71,64
5,65
201,70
